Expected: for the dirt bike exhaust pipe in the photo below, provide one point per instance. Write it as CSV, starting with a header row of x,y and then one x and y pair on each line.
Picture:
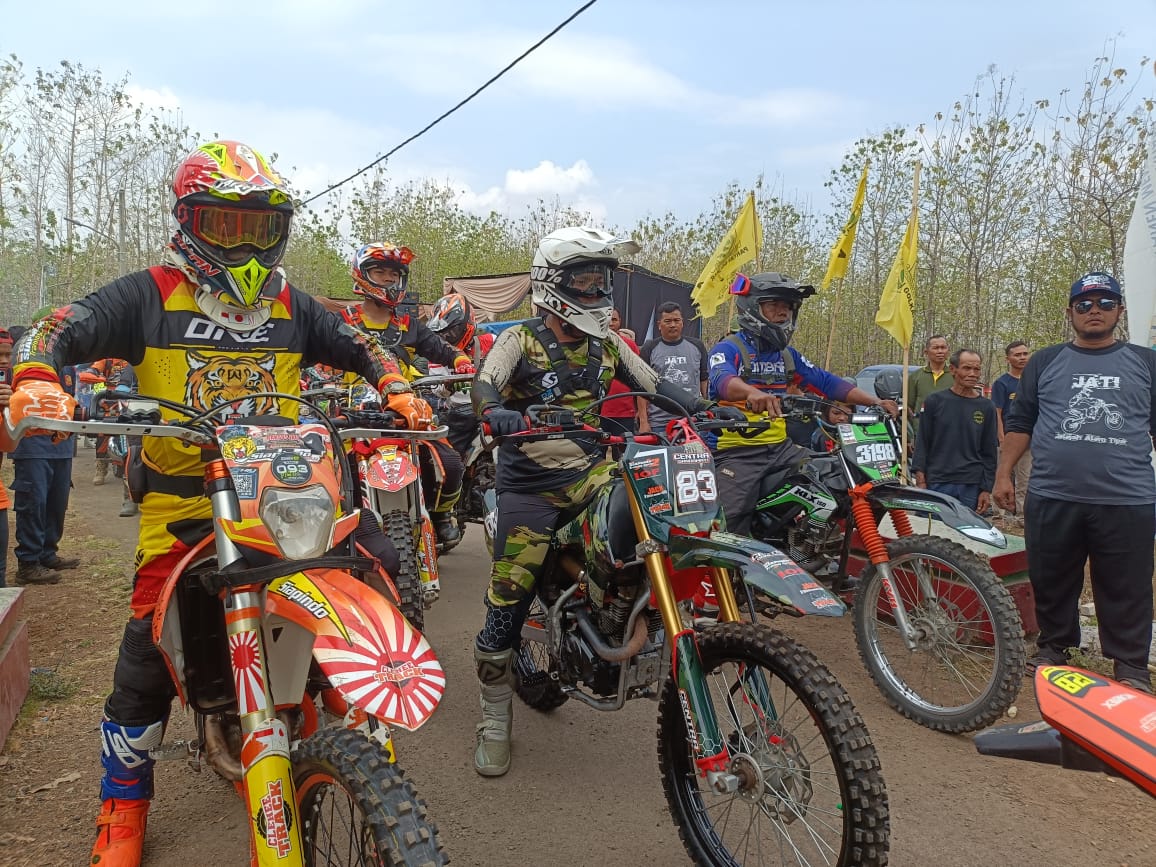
x,y
611,654
218,756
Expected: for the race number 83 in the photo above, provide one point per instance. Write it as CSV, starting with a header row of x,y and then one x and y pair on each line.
x,y
694,485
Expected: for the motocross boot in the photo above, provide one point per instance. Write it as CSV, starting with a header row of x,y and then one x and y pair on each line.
x,y
125,791
492,754
101,472
447,531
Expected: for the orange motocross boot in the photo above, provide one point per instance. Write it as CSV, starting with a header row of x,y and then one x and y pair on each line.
x,y
120,829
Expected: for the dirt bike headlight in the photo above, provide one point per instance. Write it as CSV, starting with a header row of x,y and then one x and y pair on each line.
x,y
300,521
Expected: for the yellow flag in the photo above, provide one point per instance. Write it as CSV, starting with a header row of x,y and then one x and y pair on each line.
x,y
898,300
737,247
841,252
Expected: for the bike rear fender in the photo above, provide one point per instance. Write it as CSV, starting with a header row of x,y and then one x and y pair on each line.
x,y
363,644
762,566
929,503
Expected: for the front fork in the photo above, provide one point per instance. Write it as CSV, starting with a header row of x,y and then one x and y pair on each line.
x,y
702,728
267,775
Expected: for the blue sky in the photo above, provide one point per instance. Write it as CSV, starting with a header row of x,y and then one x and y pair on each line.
x,y
637,107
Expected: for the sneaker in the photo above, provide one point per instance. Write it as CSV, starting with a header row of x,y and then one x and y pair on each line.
x,y
1136,684
35,573
127,509
1044,658
56,562
120,830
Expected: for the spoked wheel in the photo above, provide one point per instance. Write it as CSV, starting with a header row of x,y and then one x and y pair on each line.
x,y
968,661
532,680
356,809
810,791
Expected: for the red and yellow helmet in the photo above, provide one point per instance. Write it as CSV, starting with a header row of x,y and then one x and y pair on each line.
x,y
452,319
382,255
233,213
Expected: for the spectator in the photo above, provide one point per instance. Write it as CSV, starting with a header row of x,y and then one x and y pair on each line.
x,y
41,481
1003,392
956,445
1088,410
679,360
618,414
836,413
930,378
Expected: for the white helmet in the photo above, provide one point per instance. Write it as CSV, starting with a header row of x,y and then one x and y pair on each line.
x,y
571,276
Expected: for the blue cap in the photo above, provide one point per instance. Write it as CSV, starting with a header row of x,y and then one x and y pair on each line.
x,y
1097,281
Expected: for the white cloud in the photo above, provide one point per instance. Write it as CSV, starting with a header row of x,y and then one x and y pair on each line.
x,y
549,179
149,98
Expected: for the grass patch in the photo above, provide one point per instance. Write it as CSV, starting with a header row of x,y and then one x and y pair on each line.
x,y
51,685
1090,661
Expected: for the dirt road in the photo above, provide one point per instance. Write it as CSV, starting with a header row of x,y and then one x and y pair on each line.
x,y
584,789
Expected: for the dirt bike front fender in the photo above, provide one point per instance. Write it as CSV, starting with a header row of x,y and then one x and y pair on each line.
x,y
763,566
390,468
363,644
929,503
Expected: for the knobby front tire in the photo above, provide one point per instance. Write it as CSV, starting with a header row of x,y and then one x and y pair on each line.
x,y
968,663
813,791
355,807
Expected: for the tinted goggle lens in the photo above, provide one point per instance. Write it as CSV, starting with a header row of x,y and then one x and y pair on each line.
x,y
592,281
229,228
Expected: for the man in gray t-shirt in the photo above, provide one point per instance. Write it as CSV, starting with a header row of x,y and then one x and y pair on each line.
x,y
677,359
1088,409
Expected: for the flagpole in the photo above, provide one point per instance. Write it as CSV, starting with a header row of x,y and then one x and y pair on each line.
x,y
834,319
907,347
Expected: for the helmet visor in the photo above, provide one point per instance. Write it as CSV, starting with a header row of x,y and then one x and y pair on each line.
x,y
229,228
588,284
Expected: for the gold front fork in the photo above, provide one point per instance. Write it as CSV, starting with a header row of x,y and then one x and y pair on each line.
x,y
728,605
655,568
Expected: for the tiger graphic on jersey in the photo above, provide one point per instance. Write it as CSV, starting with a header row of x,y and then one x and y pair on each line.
x,y
215,379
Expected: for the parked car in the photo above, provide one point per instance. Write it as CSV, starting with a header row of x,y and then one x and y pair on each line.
x,y
865,378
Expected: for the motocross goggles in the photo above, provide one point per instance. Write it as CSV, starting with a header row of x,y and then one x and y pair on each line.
x,y
589,283
229,228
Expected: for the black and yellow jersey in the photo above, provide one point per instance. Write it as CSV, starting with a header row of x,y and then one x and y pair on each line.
x,y
151,319
406,338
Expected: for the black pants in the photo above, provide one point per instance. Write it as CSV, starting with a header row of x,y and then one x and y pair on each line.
x,y
441,499
740,471
1117,540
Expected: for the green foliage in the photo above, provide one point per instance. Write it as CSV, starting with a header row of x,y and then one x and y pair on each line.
x,y
1018,196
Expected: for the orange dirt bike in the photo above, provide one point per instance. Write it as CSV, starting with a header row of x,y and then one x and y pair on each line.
x,y
269,634
385,457
1090,723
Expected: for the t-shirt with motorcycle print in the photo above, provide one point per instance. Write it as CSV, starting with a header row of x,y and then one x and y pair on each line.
x,y
1091,414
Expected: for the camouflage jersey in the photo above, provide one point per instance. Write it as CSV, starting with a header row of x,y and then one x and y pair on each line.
x,y
517,373
152,320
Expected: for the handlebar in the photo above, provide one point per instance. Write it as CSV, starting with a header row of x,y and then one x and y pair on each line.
x,y
434,380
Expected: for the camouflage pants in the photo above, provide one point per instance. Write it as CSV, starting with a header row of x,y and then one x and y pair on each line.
x,y
525,523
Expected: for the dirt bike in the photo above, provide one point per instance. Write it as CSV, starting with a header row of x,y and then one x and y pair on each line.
x,y
1090,723
939,633
761,751
455,409
385,460
1083,409
263,621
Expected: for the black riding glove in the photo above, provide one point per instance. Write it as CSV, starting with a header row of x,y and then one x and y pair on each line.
x,y
503,421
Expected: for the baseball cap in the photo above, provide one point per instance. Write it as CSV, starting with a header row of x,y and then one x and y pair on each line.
x,y
1097,281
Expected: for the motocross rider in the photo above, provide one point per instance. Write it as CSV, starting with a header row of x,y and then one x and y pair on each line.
x,y
568,358
755,367
380,275
215,321
452,319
